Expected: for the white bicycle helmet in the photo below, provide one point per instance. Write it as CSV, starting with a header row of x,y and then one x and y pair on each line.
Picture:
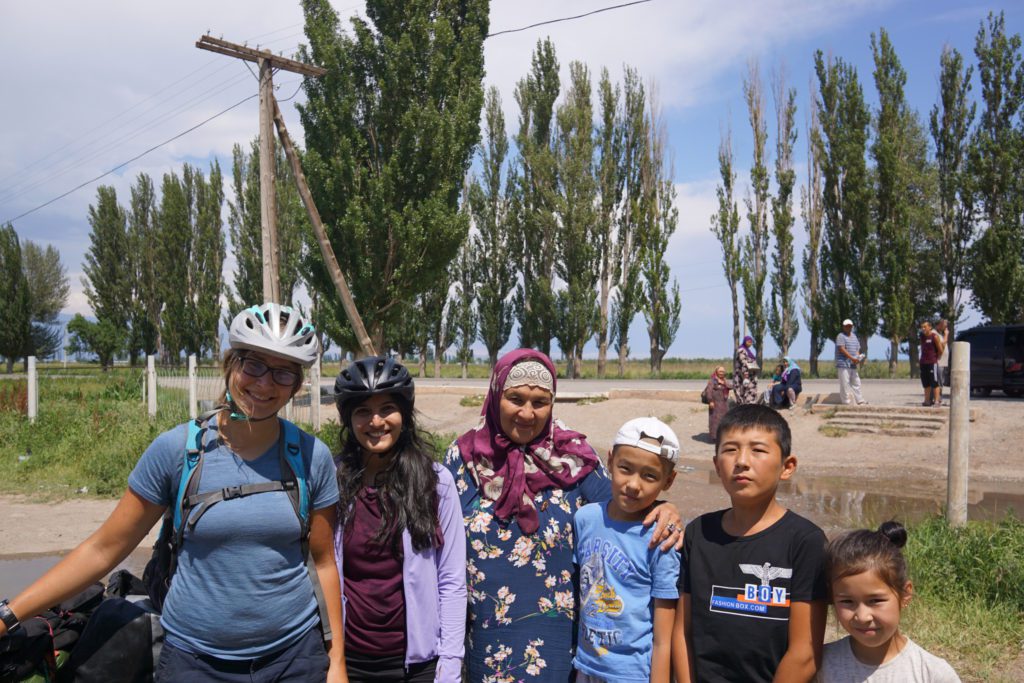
x,y
277,330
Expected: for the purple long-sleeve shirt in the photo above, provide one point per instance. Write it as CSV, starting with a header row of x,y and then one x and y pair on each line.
x,y
434,582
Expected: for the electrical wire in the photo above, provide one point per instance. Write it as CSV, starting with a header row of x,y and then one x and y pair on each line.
x,y
223,86
134,158
555,21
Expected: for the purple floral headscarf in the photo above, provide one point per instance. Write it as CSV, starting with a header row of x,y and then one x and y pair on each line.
x,y
511,474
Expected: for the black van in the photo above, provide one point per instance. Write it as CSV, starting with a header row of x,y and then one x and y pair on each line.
x,y
997,358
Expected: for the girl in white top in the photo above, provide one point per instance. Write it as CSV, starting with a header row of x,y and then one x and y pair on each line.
x,y
868,580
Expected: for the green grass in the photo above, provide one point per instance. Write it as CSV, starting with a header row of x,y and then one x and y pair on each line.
x,y
474,401
832,431
969,594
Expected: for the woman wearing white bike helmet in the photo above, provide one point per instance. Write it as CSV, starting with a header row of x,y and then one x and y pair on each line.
x,y
257,499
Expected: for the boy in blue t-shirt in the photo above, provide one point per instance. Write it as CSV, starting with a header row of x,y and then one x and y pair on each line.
x,y
628,590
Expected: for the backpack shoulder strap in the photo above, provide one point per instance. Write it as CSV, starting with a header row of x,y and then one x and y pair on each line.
x,y
191,470
292,455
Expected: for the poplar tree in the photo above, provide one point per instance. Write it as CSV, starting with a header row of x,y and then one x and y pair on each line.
x,y
245,232
107,278
812,211
891,151
48,289
191,259
951,121
754,252
464,316
495,212
725,224
783,322
143,241
610,173
997,257
661,302
390,131
15,303
628,297
578,262
849,245
535,300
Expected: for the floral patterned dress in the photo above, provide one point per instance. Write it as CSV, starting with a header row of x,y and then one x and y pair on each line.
x,y
522,588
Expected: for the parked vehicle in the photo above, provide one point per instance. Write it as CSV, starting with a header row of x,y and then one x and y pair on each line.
x,y
997,358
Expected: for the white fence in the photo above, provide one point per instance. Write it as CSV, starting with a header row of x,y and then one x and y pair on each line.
x,y
183,393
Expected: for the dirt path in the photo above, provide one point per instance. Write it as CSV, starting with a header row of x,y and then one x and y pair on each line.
x,y
865,473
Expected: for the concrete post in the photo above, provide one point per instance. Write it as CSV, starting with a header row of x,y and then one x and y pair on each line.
x,y
33,389
314,396
151,384
193,390
959,433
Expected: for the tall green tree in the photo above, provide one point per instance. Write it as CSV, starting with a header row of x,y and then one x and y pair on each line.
x,y
245,233
48,287
849,245
464,319
894,167
611,176
15,301
783,321
390,131
811,208
627,299
143,241
754,252
997,163
661,299
495,210
108,278
191,261
725,224
578,263
951,120
535,300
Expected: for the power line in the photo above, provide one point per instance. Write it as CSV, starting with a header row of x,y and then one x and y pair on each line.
x,y
134,158
71,164
555,21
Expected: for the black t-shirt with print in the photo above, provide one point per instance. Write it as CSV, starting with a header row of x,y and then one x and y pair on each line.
x,y
740,590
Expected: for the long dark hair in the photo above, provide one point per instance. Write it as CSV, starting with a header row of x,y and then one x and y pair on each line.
x,y
407,487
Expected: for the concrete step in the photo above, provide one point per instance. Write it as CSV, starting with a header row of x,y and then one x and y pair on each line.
x,y
903,417
883,424
932,411
887,431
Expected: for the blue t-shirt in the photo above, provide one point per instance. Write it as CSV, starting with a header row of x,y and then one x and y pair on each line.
x,y
241,589
619,578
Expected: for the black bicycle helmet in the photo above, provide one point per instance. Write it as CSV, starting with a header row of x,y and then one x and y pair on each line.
x,y
373,375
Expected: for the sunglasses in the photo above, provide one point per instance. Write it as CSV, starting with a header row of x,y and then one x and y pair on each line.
x,y
257,368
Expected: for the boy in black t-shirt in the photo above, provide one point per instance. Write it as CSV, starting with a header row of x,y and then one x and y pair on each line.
x,y
752,577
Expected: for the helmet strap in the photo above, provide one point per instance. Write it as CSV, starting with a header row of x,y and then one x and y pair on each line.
x,y
236,414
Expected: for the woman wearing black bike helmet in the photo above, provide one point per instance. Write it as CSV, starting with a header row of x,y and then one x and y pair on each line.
x,y
399,539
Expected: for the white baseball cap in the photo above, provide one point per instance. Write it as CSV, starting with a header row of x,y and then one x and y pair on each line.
x,y
847,322
636,430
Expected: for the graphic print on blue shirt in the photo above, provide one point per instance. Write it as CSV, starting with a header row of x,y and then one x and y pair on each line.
x,y
600,603
761,600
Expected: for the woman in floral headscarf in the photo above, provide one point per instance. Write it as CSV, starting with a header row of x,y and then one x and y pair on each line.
x,y
521,475
744,372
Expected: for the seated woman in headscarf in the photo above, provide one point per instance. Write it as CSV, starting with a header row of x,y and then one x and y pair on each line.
x,y
521,475
744,372
786,392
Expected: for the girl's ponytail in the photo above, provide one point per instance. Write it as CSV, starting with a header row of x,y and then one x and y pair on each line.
x,y
865,550
895,532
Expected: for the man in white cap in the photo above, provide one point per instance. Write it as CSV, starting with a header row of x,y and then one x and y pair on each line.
x,y
848,357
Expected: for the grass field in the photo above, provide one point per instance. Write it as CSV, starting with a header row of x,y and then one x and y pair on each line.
x,y
671,368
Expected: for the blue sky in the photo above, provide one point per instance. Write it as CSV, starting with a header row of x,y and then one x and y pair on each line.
x,y
75,68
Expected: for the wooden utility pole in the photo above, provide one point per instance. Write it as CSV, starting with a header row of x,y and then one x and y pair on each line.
x,y
270,115
267,62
